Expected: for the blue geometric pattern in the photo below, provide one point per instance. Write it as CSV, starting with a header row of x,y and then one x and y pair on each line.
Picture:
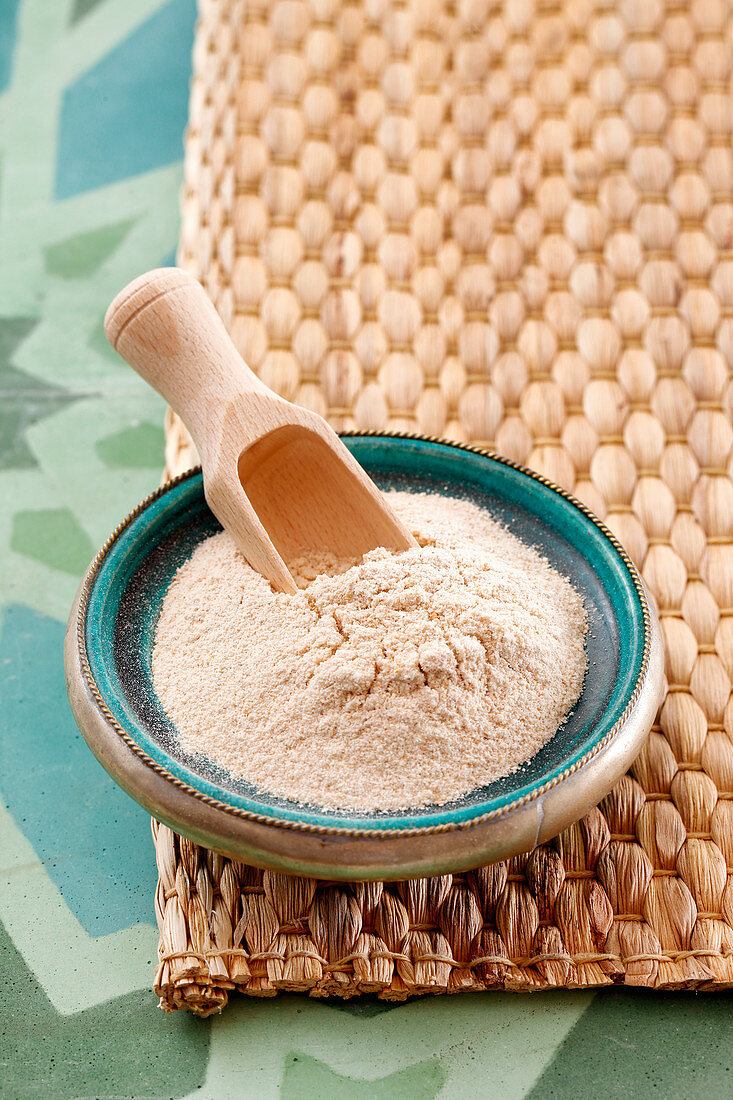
x,y
8,23
94,841
127,114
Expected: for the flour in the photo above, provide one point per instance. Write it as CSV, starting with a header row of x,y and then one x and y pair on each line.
x,y
399,680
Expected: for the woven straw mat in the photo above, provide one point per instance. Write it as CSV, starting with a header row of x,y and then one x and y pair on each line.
x,y
511,224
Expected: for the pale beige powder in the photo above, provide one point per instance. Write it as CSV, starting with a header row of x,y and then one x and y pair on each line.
x,y
405,680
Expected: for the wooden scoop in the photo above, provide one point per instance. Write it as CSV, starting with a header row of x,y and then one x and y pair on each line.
x,y
276,476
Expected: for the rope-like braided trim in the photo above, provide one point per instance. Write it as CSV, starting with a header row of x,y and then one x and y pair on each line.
x,y
446,960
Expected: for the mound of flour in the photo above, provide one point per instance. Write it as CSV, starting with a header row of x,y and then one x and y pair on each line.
x,y
398,680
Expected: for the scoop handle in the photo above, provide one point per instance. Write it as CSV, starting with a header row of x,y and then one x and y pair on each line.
x,y
166,327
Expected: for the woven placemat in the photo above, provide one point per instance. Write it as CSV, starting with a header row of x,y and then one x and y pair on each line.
x,y
508,223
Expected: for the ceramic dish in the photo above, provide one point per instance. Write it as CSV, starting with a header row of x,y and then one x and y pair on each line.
x,y
108,654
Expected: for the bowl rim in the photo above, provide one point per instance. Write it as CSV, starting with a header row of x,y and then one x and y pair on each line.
x,y
318,829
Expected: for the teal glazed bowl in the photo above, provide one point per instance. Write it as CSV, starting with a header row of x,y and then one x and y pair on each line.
x,y
111,633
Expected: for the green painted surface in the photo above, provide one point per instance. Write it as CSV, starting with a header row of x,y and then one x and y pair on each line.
x,y
53,537
498,1043
24,399
137,447
80,441
642,1043
82,7
308,1079
84,253
123,1047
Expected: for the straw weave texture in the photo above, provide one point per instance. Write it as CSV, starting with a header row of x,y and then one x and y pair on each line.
x,y
510,224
